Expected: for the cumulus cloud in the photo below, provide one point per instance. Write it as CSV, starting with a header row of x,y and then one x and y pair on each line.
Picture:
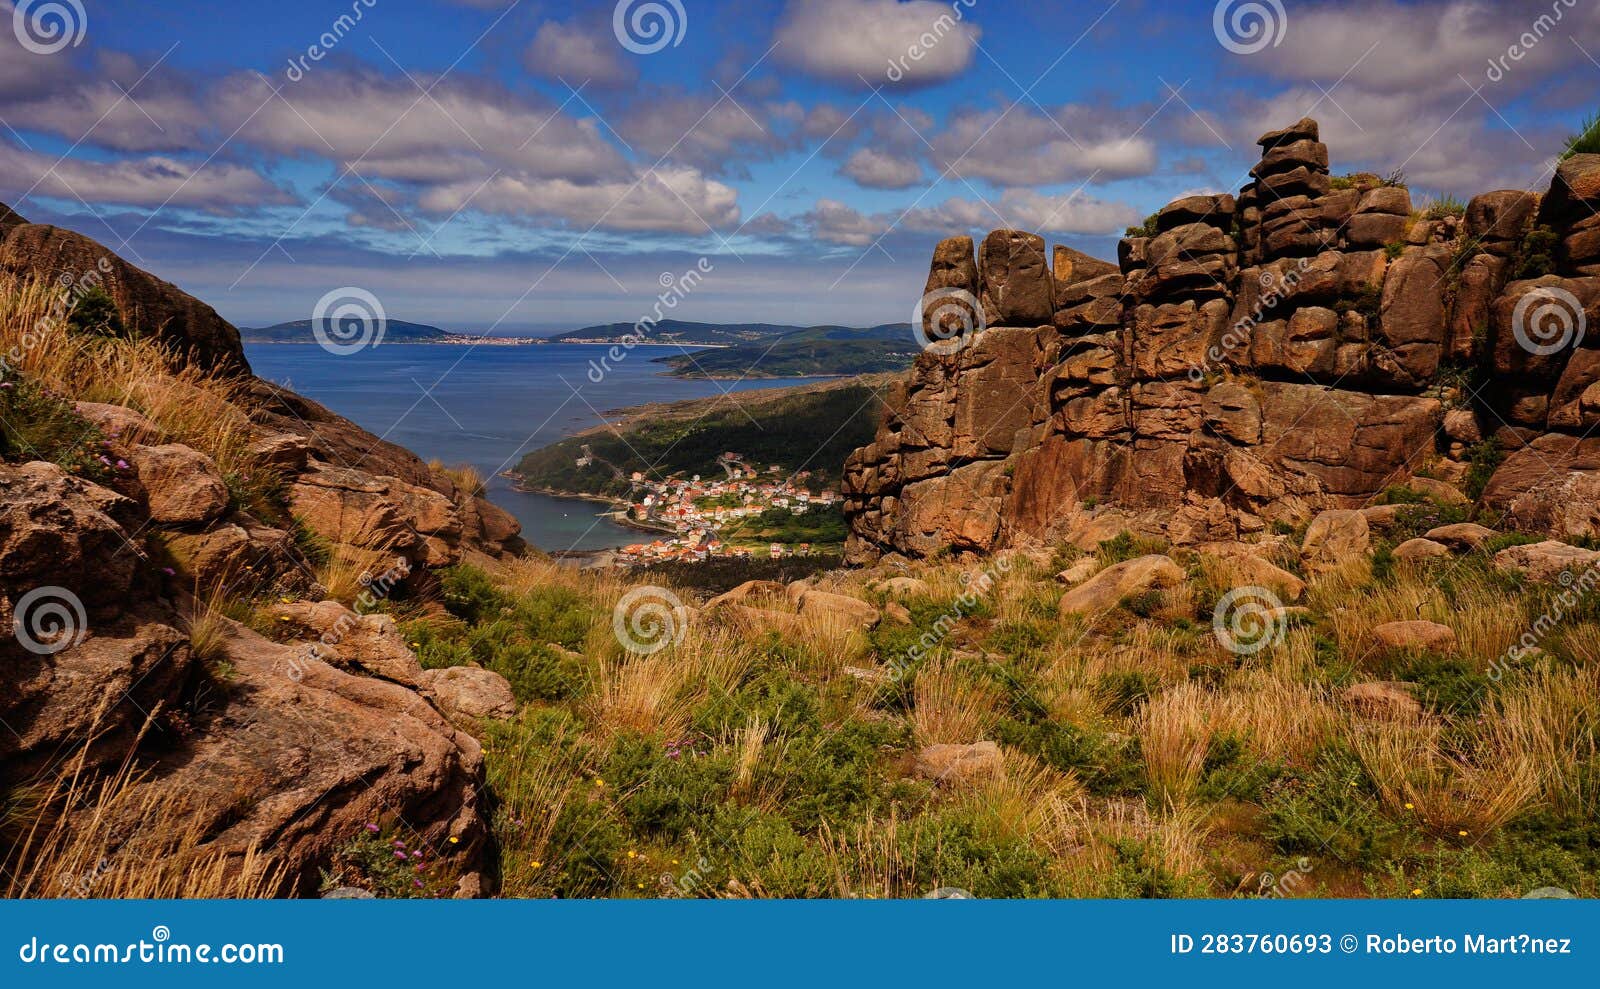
x,y
1404,48
875,42
664,200
461,129
1027,209
837,223
1023,147
1022,209
152,182
577,53
710,132
877,170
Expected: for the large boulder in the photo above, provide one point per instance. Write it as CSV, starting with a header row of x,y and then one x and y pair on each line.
x,y
1111,586
1415,636
960,765
469,692
1547,562
1014,273
182,485
837,608
1335,538
146,304
62,531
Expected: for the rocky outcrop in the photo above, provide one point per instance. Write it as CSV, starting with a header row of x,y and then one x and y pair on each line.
x,y
277,746
1258,358
147,305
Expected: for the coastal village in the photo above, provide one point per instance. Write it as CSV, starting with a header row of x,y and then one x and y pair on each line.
x,y
694,514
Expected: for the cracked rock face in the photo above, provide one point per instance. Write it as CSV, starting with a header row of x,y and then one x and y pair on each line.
x,y
1296,348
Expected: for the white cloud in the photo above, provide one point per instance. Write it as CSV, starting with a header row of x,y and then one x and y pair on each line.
x,y
1021,147
1020,209
878,170
665,200
836,223
878,41
1027,209
152,181
577,53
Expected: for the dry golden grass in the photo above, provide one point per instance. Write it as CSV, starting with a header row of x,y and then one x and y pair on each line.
x,y
1475,609
1415,776
466,477
1175,730
207,624
186,404
87,835
951,706
1548,726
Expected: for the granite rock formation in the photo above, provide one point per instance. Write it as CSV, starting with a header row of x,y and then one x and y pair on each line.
x,y
1300,346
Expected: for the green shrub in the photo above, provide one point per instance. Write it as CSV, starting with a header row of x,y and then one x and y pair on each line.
x,y
37,424
1332,809
1536,256
1485,458
1586,141
1145,229
96,313
1448,686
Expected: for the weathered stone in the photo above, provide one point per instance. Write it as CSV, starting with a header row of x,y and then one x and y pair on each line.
x,y
1412,636
1420,549
745,591
1014,275
1335,538
1547,562
1384,700
1110,586
960,765
469,692
1461,536
838,608
182,485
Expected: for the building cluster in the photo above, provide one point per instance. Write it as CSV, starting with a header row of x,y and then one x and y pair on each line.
x,y
696,510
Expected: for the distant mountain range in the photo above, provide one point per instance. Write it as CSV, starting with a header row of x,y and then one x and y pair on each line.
x,y
679,332
299,331
815,351
707,350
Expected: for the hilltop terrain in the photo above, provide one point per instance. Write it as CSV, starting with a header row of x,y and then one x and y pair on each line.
x,y
815,352
1260,564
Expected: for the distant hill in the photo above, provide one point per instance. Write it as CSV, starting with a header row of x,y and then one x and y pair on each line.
x,y
777,426
813,352
299,331
680,332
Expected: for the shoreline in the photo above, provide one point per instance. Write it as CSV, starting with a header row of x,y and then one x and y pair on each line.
x,y
618,513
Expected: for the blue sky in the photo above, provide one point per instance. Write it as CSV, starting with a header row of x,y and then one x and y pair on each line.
x,y
524,165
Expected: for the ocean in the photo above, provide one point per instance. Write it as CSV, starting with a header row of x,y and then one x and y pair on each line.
x,y
488,406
